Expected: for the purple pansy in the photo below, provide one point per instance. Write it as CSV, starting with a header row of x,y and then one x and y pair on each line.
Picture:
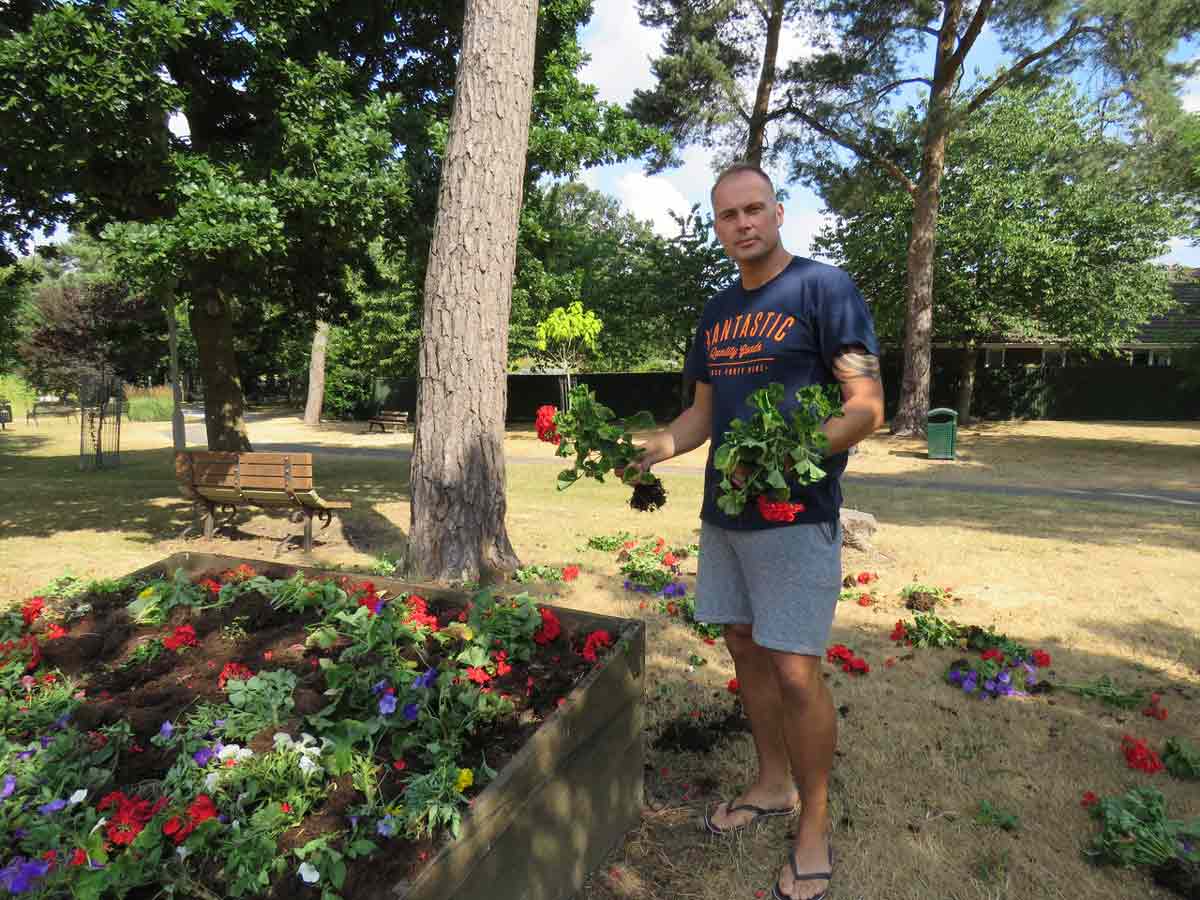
x,y
426,680
52,807
411,711
10,785
387,704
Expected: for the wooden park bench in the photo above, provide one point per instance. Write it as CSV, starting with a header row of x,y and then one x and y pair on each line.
x,y
224,481
388,418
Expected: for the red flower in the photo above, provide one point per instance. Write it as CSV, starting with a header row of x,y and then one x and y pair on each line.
x,y
669,560
285,807
899,633
202,809
502,665
1139,756
570,573
597,640
672,608
213,587
544,423
850,663
419,614
184,636
865,600
778,511
32,609
234,671
550,628
399,765
1041,658
733,686
993,654
55,631
629,545
838,652
866,577
123,827
239,574
478,675
1089,800
78,858
710,641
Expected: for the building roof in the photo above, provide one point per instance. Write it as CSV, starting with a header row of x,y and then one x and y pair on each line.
x,y
1180,324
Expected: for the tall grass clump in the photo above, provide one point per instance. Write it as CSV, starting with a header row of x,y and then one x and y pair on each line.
x,y
152,404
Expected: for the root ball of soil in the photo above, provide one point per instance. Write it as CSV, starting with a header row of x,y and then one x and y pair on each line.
x,y
648,497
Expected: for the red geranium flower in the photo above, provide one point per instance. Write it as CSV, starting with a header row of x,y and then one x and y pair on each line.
x,y
32,609
285,807
478,675
184,636
550,628
1139,756
597,640
733,686
570,573
79,857
1041,658
669,560
778,511
544,423
1089,800
399,765
55,631
502,665
213,587
866,577
993,654
234,671
865,600
899,633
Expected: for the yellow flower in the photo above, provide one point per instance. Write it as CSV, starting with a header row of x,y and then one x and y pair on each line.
x,y
146,593
460,631
466,778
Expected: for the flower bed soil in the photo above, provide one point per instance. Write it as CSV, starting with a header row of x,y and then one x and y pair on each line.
x,y
570,704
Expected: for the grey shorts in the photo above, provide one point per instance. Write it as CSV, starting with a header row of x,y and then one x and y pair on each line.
x,y
783,581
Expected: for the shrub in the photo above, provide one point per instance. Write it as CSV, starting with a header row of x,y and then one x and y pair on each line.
x,y
153,404
16,389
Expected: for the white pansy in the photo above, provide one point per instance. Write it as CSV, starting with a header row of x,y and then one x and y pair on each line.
x,y
308,872
307,766
78,797
229,751
282,739
211,780
244,754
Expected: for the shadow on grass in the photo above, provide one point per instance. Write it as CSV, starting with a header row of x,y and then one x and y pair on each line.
x,y
43,496
1080,521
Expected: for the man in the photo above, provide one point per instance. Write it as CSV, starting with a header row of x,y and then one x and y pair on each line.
x,y
774,586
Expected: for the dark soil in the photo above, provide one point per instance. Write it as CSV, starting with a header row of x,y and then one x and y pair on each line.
x,y
1181,877
98,648
648,497
921,601
699,735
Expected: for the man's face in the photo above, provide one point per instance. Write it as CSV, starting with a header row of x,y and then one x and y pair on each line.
x,y
747,217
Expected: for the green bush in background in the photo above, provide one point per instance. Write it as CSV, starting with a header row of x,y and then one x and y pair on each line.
x,y
153,404
19,392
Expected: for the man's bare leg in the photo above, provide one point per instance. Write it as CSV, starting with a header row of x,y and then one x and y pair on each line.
x,y
810,732
773,788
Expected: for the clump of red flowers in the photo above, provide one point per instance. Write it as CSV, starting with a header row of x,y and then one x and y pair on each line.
x,y
238,574
993,654
866,577
184,636
55,631
1139,756
1089,800
28,643
597,640
212,586
235,672
478,675
364,595
780,511
570,573
899,633
550,628
544,423
419,614
130,817
854,665
1154,710
866,600
177,828
31,609
1041,658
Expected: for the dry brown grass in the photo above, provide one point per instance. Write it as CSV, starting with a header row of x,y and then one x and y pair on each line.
x,y
1106,589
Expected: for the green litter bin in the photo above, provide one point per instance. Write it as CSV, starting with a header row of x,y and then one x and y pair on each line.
x,y
941,427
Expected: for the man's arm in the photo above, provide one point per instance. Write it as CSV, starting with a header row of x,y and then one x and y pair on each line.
x,y
857,371
691,428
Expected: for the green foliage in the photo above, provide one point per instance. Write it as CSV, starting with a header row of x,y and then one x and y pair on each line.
x,y
643,566
150,404
927,630
146,651
1181,759
995,817
265,699
599,440
510,620
158,598
773,447
567,335
980,639
1107,692
537,572
609,543
19,391
1135,831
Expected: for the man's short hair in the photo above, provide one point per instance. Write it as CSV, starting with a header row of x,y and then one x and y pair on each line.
x,y
736,169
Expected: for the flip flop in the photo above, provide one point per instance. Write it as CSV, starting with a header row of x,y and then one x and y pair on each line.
x,y
777,891
759,813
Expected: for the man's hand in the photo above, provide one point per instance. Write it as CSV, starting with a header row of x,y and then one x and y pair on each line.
x,y
657,447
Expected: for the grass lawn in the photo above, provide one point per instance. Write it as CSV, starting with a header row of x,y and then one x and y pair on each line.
x,y
1104,588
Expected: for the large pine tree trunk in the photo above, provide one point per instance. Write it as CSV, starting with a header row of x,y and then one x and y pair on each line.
x,y
918,321
178,429
224,404
759,115
458,479
316,375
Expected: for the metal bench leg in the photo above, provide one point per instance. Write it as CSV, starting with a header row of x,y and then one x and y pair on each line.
x,y
308,531
210,520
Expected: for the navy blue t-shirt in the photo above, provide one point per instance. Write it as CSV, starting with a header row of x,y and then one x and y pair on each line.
x,y
788,330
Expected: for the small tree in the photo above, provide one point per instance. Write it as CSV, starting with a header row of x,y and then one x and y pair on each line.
x,y
565,339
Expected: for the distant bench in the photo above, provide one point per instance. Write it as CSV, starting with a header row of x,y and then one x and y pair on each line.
x,y
225,481
388,418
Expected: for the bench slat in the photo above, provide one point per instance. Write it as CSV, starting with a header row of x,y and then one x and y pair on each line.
x,y
205,470
216,456
231,480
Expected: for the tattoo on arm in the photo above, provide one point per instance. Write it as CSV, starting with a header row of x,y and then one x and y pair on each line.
x,y
855,362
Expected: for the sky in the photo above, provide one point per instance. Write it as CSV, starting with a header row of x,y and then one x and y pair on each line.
x,y
621,49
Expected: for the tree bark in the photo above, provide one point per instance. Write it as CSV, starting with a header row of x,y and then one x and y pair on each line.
x,y
316,375
224,404
756,141
966,383
918,321
178,430
458,474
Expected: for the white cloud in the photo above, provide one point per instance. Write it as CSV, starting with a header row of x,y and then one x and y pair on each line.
x,y
652,198
1191,102
1182,252
800,227
621,48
